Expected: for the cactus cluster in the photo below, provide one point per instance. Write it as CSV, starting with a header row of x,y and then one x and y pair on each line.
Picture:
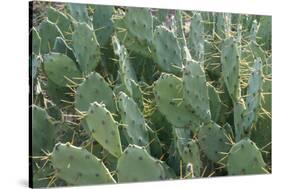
x,y
123,94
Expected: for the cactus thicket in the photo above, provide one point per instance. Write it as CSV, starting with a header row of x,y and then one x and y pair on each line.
x,y
127,94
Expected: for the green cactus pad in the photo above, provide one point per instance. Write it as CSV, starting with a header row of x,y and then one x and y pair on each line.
x,y
196,38
57,93
135,165
223,25
61,20
48,32
103,24
190,154
104,128
265,32
245,158
85,47
36,41
61,46
215,103
60,68
94,88
230,60
139,23
238,114
167,50
127,72
213,141
262,131
78,12
43,131
254,95
77,166
135,125
195,91
180,33
168,97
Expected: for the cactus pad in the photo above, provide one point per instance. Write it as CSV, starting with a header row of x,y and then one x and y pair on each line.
x,y
137,165
60,68
195,91
134,121
94,88
85,47
245,158
104,128
167,50
213,141
77,166
168,97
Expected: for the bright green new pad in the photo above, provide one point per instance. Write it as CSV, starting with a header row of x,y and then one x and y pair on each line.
x,y
48,32
230,60
94,88
43,131
77,166
212,140
104,128
135,165
245,158
167,50
195,90
59,68
85,47
135,126
168,96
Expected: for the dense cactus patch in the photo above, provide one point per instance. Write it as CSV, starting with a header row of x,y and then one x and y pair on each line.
x,y
124,94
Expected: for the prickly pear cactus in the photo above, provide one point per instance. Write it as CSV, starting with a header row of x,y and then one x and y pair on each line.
x,y
77,166
104,128
136,165
167,50
213,141
60,69
85,47
94,88
126,94
245,158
